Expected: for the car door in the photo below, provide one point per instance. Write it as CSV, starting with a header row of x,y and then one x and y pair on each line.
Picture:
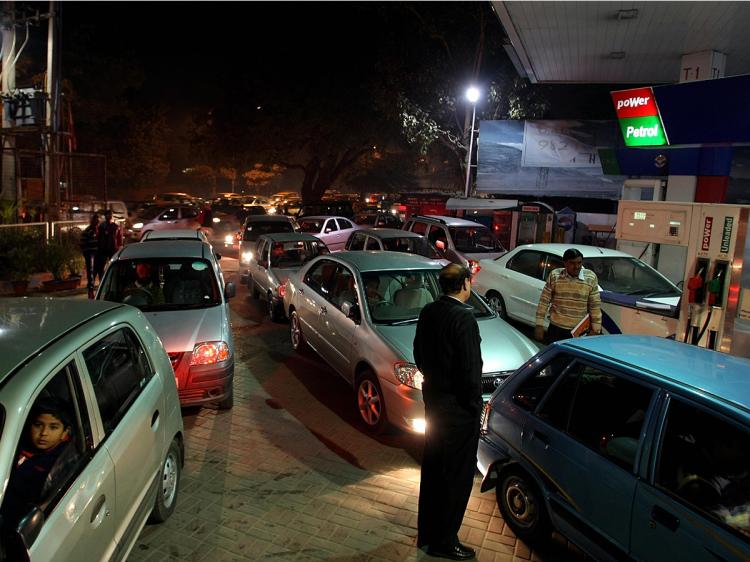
x,y
345,230
330,235
312,301
585,437
79,521
259,266
128,393
694,502
337,330
522,282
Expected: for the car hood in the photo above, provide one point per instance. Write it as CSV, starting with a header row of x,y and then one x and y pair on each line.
x,y
503,347
180,330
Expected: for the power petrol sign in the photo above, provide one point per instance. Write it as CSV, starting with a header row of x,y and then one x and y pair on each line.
x,y
639,118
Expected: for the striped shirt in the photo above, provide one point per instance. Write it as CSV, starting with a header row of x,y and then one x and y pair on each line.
x,y
571,299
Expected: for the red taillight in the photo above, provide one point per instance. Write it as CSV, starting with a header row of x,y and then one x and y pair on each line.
x,y
474,267
281,291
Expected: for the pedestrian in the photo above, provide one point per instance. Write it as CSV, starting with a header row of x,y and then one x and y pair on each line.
x,y
89,244
447,352
109,242
572,292
206,216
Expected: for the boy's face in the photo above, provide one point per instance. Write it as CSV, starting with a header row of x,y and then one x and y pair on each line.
x,y
47,432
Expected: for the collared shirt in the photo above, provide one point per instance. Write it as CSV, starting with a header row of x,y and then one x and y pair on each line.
x,y
570,298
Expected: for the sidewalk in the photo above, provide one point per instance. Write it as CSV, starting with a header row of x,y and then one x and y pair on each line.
x,y
36,287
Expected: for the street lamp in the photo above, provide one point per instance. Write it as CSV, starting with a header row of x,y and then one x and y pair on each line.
x,y
472,94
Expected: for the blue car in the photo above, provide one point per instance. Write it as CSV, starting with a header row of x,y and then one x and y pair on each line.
x,y
633,447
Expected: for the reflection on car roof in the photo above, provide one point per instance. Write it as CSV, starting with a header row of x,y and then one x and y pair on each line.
x,y
382,261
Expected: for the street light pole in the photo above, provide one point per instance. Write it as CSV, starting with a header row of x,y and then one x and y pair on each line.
x,y
472,94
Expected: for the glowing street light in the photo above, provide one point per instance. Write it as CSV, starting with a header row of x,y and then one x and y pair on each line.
x,y
472,95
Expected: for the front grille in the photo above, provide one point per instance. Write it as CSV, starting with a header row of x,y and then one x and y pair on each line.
x,y
175,358
492,381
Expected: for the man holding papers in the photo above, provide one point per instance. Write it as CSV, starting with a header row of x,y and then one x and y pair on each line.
x,y
572,293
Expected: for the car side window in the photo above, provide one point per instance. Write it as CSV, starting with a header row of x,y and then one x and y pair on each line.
x,y
529,394
603,411
189,212
357,241
321,278
528,263
344,224
330,226
168,215
118,370
705,461
436,234
53,448
261,252
372,243
344,289
550,264
419,227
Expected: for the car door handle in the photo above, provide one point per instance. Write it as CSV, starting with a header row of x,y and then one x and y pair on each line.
x,y
662,516
155,418
301,291
100,511
323,310
541,437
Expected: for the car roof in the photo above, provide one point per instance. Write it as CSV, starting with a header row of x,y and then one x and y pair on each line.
x,y
321,217
290,237
383,261
587,251
695,369
448,221
166,248
29,325
268,218
390,233
175,234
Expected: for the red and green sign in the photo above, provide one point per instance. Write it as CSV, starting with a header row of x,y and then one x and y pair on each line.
x,y
639,118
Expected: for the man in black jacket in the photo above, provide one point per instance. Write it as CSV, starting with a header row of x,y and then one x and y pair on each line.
x,y
447,351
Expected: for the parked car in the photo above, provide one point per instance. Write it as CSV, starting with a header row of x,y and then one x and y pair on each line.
x,y
378,218
176,234
101,366
275,258
464,242
166,218
358,311
391,239
329,208
635,297
179,287
256,226
334,231
634,447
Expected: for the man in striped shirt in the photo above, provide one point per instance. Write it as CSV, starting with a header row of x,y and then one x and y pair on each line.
x,y
572,292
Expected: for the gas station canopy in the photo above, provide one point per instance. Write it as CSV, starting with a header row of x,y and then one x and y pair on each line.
x,y
621,42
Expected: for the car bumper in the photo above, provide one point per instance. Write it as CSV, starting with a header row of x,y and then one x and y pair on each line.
x,y
202,384
404,406
489,456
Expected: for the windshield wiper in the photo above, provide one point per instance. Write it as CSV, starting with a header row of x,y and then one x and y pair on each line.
x,y
402,322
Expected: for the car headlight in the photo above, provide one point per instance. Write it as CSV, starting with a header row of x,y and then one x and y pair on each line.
x,y
271,211
246,257
138,225
229,239
216,219
408,374
209,352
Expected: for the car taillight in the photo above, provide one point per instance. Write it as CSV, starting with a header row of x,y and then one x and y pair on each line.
x,y
209,352
281,291
485,421
474,267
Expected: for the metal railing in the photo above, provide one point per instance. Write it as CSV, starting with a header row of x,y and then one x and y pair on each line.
x,y
50,229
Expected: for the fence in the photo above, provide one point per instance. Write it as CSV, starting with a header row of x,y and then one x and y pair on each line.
x,y
39,230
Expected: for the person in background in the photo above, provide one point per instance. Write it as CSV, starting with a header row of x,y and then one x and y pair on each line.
x,y
447,351
206,216
109,242
89,244
572,292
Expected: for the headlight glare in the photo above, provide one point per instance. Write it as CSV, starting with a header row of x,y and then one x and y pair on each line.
x,y
408,374
246,257
138,225
209,352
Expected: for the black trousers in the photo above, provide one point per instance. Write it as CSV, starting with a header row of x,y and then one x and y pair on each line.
x,y
556,333
448,467
89,258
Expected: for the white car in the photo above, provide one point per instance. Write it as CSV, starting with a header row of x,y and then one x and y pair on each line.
x,y
636,299
334,231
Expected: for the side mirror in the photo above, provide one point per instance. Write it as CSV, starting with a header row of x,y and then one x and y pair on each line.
x,y
328,230
229,290
440,245
218,256
351,311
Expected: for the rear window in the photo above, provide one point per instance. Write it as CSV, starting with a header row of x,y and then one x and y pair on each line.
x,y
256,229
295,254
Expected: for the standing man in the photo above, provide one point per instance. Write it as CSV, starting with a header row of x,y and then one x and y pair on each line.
x,y
110,241
573,292
447,352
89,245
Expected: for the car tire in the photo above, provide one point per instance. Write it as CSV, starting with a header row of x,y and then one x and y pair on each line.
x,y
273,310
497,304
522,506
227,402
295,333
371,403
169,484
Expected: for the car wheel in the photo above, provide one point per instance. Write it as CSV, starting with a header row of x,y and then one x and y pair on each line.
x,y
295,333
273,310
227,402
169,483
370,403
497,304
522,506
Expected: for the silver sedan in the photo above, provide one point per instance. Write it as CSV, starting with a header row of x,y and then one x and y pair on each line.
x,y
359,310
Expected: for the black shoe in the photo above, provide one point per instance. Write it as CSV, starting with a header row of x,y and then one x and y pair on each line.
x,y
454,552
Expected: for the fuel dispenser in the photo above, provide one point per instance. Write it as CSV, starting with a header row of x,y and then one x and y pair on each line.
x,y
715,307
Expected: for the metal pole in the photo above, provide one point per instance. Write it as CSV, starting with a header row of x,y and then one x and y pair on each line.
x,y
9,188
471,144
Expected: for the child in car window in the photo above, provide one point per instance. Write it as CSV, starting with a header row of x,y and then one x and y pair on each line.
x,y
47,435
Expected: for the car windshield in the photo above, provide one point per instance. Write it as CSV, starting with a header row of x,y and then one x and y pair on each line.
x,y
475,239
296,253
255,229
630,276
312,226
411,245
162,284
397,297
